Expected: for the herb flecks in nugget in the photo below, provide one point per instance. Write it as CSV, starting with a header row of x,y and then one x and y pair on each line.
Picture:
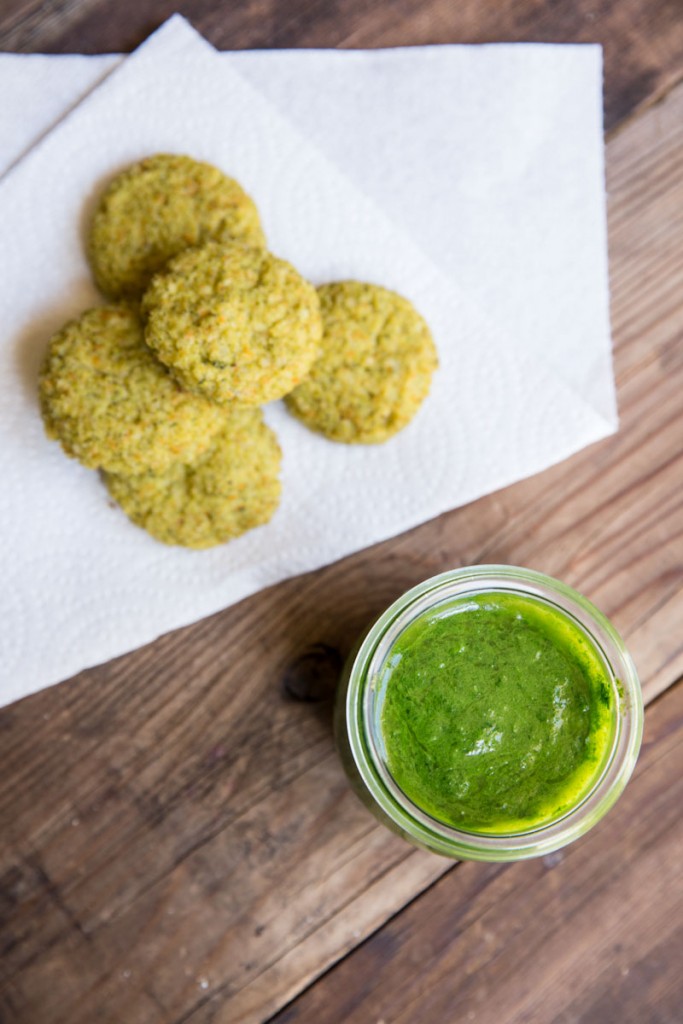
x,y
232,488
112,404
233,323
155,209
375,367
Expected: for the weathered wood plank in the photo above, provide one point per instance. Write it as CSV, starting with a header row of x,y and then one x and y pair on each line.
x,y
594,933
643,39
177,841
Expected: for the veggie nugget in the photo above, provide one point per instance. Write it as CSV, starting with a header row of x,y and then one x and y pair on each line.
x,y
157,208
230,489
375,367
233,323
112,404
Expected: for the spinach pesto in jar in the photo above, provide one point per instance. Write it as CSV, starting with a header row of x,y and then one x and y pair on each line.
x,y
490,713
497,713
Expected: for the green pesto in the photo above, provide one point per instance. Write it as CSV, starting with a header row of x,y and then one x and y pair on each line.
x,y
497,714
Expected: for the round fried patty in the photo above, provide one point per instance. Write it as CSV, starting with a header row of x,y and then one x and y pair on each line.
x,y
233,323
230,489
112,404
155,209
375,367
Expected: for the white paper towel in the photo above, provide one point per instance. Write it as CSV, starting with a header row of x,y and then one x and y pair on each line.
x,y
80,583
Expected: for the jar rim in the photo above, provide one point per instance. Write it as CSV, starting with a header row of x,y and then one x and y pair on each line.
x,y
413,821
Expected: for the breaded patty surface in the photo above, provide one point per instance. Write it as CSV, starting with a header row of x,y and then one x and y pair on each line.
x,y
375,367
112,404
233,323
230,489
155,209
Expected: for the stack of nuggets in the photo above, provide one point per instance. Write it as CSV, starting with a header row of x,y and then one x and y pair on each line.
x,y
161,390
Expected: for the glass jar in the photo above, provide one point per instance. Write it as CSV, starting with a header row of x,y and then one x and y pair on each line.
x,y
360,696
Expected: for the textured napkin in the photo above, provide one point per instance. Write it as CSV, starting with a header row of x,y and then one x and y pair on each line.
x,y
80,583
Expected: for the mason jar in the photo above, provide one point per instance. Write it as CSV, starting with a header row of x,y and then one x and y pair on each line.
x,y
362,696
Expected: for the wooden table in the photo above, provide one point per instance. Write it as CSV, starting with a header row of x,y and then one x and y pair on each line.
x,y
178,844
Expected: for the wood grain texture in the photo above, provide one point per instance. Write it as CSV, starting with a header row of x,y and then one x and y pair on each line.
x,y
590,934
177,841
643,39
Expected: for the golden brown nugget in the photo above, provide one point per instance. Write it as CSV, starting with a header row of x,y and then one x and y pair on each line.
x,y
230,489
233,323
112,404
157,208
375,367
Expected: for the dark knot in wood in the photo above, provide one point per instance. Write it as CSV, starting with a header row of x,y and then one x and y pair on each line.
x,y
314,674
